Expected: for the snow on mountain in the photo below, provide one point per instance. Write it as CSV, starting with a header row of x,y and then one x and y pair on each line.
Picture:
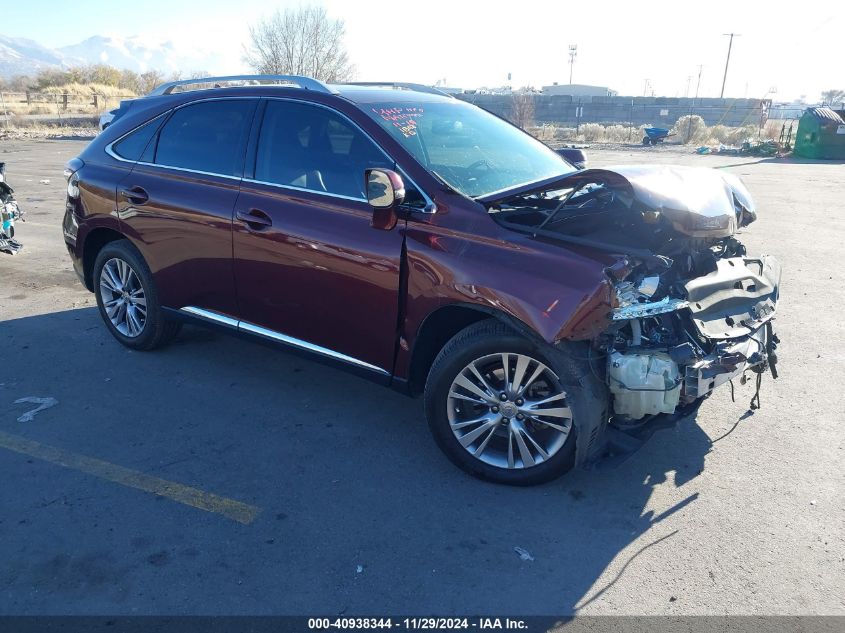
x,y
19,56
134,53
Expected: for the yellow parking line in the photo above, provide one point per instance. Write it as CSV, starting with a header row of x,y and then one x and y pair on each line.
x,y
229,508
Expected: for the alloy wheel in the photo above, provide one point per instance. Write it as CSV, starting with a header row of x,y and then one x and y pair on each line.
x,y
123,297
509,410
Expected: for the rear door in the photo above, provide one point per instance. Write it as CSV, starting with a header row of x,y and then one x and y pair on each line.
x,y
310,270
177,203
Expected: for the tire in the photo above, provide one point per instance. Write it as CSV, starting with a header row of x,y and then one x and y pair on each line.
x,y
480,344
646,140
130,291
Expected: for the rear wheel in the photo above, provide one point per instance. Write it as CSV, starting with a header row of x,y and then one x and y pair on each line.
x,y
127,298
503,408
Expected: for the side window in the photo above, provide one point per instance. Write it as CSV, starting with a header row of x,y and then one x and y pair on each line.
x,y
208,136
413,198
132,146
313,148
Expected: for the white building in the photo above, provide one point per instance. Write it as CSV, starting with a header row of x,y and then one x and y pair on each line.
x,y
579,90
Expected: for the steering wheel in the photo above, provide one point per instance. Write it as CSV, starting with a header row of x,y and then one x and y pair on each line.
x,y
477,165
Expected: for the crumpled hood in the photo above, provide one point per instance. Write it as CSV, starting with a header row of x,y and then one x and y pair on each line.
x,y
698,201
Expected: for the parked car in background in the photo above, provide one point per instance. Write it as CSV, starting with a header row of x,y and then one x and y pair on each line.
x,y
576,156
431,246
106,118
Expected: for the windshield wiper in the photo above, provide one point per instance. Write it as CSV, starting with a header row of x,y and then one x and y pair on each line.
x,y
557,209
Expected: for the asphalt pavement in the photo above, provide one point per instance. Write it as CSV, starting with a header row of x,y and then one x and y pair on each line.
x,y
219,476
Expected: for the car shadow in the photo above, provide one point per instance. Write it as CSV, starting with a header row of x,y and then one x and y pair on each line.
x,y
360,511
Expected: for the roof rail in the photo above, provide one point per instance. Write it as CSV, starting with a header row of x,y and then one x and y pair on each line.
x,y
401,85
303,82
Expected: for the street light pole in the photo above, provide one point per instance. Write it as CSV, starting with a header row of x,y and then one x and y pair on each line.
x,y
727,61
573,53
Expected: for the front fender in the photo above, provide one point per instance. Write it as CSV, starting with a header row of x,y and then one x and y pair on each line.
x,y
557,292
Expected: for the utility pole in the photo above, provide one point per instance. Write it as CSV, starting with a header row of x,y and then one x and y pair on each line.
x,y
645,88
689,81
573,53
698,85
727,61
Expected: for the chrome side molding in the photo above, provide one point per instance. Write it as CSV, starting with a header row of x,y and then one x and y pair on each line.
x,y
244,326
214,317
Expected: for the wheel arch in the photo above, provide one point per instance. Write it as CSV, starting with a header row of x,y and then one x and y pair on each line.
x,y
93,244
444,323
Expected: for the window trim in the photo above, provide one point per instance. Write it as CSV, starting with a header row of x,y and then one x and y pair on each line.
x,y
429,208
169,113
109,149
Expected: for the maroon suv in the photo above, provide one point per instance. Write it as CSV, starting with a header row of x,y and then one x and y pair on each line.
x,y
426,244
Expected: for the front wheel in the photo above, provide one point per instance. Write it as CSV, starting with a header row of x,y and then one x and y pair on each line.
x,y
503,408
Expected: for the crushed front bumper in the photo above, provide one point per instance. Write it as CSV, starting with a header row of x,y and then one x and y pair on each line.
x,y
755,352
735,299
733,308
729,331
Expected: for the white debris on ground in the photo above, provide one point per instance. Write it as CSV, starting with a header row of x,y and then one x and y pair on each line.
x,y
523,553
44,403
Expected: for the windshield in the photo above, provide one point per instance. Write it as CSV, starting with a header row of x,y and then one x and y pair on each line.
x,y
470,149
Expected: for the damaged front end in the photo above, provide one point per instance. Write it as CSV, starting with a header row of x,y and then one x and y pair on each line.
x,y
669,351
690,310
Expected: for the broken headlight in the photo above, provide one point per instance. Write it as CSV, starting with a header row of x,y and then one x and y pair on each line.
x,y
631,292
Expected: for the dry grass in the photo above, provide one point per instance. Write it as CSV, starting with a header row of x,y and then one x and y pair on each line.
x,y
590,133
86,90
687,130
80,99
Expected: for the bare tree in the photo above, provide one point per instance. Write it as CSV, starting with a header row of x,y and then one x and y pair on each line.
x,y
522,109
149,80
302,41
833,97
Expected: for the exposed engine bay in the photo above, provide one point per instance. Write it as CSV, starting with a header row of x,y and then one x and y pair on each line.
x,y
690,309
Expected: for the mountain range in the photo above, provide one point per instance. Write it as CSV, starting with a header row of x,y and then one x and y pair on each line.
x,y
21,56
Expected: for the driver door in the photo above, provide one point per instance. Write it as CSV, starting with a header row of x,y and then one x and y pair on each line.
x,y
310,270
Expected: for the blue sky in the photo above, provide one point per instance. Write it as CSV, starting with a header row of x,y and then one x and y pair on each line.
x,y
470,43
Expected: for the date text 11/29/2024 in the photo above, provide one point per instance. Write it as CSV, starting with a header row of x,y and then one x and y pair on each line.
x,y
418,623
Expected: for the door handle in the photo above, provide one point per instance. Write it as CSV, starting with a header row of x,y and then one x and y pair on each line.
x,y
255,219
135,195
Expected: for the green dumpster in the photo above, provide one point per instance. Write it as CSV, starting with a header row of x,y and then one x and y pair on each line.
x,y
821,134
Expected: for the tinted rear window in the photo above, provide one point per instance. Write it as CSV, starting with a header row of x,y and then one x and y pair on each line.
x,y
208,136
132,146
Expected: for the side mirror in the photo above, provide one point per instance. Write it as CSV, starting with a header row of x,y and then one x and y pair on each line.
x,y
385,192
385,188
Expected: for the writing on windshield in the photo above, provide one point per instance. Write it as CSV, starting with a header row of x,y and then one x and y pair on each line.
x,y
474,151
